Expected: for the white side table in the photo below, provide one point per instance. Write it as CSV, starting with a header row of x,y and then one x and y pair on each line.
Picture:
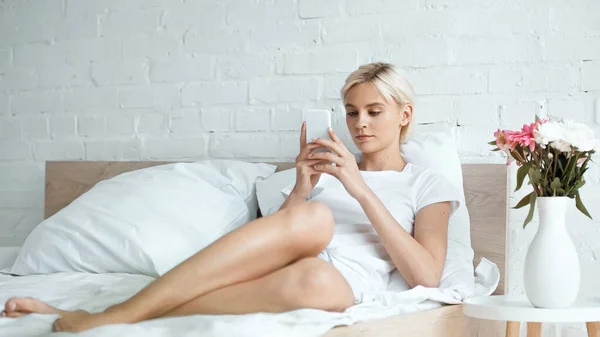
x,y
514,310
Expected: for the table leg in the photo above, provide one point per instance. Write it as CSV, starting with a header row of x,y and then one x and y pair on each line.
x,y
593,329
512,329
534,329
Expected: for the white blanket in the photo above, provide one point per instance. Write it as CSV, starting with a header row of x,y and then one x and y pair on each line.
x,y
95,292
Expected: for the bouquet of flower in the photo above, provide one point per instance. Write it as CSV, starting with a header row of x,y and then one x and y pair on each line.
x,y
553,154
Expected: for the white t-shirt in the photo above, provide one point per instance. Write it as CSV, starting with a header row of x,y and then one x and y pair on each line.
x,y
355,241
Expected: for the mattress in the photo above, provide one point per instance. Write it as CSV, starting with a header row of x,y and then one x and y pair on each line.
x,y
95,292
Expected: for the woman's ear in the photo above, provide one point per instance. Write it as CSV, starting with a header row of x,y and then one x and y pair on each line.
x,y
406,114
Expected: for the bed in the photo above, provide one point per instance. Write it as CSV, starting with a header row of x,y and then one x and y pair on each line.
x,y
485,188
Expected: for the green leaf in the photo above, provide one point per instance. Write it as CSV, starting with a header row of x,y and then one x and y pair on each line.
x,y
525,201
584,165
521,174
532,198
569,170
560,163
534,175
579,205
570,177
496,149
493,142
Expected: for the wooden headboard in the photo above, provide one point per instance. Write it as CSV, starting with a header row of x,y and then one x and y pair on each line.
x,y
485,188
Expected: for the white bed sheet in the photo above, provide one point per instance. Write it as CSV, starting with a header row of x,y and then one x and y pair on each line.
x,y
95,292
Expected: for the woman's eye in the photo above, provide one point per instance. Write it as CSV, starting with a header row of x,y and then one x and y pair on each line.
x,y
374,113
351,113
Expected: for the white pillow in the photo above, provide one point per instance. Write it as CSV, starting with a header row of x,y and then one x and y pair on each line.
x,y
145,221
270,191
436,151
8,255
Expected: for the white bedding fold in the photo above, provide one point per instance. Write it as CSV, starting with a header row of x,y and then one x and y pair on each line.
x,y
8,255
95,292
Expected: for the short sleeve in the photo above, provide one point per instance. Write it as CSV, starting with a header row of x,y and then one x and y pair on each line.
x,y
434,188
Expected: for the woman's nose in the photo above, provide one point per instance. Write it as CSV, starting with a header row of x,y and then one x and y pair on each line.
x,y
361,122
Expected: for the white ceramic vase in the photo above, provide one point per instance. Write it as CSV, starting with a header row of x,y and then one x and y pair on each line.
x,y
552,273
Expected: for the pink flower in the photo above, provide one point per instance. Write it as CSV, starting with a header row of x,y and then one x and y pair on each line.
x,y
525,137
504,146
501,142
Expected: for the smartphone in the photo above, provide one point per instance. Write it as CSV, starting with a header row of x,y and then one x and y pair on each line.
x,y
317,123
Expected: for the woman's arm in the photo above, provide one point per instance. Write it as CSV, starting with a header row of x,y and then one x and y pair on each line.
x,y
292,199
421,259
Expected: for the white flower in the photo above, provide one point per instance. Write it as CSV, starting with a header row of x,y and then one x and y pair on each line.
x,y
548,132
561,145
564,135
580,136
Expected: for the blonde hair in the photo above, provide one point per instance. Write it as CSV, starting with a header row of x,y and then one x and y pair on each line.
x,y
388,80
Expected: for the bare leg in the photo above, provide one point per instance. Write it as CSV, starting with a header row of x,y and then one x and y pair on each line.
x,y
308,283
254,250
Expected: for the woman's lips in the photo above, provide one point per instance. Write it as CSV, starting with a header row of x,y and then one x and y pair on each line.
x,y
363,137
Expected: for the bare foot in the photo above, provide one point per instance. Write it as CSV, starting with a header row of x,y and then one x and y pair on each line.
x,y
19,306
72,321
82,320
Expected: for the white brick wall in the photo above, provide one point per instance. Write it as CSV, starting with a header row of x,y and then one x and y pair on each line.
x,y
177,80
183,69
35,101
214,93
284,90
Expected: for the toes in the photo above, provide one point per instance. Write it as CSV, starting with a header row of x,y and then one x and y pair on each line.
x,y
11,304
14,314
17,305
27,305
11,314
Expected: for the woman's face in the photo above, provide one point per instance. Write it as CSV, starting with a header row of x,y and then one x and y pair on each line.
x,y
374,123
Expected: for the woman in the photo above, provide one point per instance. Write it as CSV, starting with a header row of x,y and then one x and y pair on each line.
x,y
287,260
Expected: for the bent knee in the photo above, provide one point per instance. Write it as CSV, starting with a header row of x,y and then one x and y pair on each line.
x,y
312,220
314,283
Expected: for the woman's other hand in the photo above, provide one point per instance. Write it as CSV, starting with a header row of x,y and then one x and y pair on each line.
x,y
346,169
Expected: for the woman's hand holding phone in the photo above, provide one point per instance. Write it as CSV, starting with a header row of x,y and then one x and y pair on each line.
x,y
306,176
345,168
325,153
